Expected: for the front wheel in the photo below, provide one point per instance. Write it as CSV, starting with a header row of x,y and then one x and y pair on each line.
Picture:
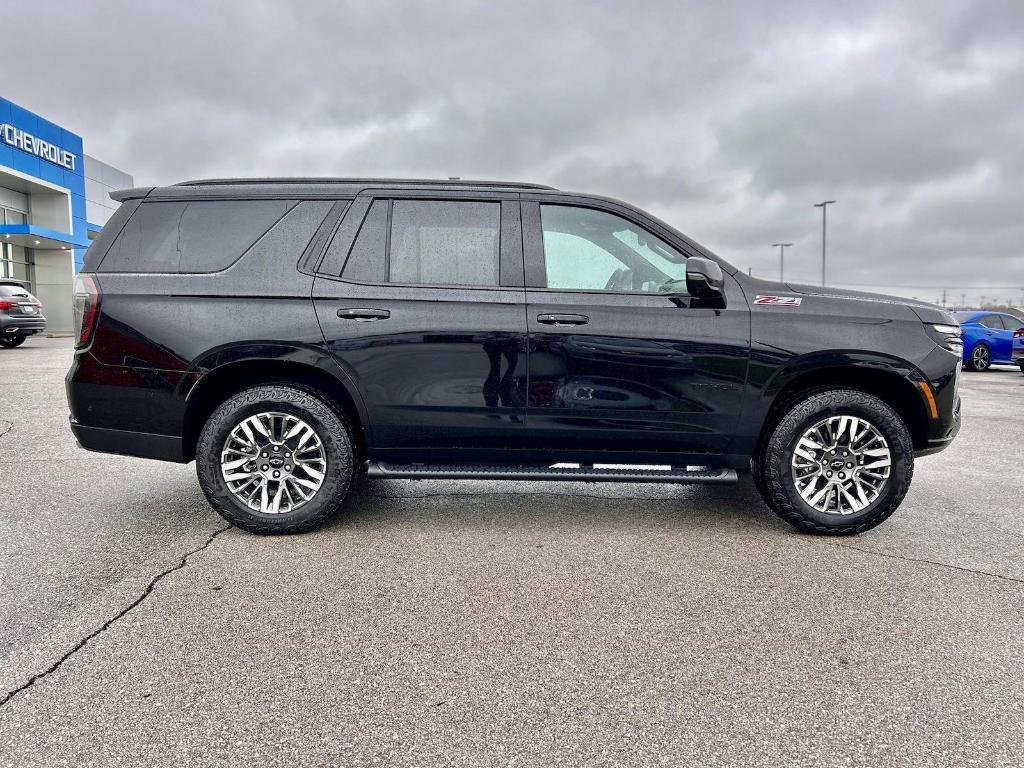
x,y
275,459
838,462
12,341
981,358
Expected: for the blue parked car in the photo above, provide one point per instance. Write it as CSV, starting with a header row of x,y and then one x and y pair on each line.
x,y
991,337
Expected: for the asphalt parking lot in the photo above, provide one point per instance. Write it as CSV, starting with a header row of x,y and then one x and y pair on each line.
x,y
487,623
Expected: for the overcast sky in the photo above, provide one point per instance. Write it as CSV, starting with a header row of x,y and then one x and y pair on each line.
x,y
727,119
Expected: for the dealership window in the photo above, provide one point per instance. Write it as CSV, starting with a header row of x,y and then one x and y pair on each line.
x,y
587,249
191,237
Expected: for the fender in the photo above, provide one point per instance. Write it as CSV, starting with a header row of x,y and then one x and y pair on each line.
x,y
893,378
311,356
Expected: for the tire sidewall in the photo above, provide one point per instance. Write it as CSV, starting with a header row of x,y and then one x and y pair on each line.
x,y
327,424
839,403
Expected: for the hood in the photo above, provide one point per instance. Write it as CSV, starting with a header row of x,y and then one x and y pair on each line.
x,y
929,313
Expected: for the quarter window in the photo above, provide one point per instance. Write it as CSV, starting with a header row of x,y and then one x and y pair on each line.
x,y
191,237
1012,323
587,249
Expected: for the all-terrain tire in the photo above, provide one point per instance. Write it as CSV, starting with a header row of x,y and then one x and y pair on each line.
x,y
775,465
331,427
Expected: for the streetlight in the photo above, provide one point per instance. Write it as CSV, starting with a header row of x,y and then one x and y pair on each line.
x,y
782,255
823,205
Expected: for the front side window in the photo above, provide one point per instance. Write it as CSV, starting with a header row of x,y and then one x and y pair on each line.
x,y
587,249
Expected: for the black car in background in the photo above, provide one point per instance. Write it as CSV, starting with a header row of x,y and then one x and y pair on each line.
x,y
288,334
21,314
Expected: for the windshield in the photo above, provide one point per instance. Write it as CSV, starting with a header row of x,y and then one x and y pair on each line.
x,y
963,317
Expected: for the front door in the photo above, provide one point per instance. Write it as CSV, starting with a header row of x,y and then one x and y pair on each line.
x,y
421,303
620,356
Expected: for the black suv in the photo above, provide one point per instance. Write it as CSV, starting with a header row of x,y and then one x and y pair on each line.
x,y
288,334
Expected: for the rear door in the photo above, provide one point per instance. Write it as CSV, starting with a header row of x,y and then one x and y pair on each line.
x,y
998,338
420,298
616,362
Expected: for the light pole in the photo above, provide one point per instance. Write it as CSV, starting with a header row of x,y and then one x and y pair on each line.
x,y
782,256
823,205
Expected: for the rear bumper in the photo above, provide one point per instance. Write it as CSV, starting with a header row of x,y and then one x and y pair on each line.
x,y
141,444
18,326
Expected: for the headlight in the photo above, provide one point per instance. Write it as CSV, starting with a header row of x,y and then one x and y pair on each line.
x,y
947,336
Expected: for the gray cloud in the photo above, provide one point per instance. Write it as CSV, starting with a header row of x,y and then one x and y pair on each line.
x,y
728,119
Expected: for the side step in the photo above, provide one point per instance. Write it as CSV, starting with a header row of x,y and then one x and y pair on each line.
x,y
603,473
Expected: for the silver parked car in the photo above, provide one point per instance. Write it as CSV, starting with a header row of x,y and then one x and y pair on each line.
x,y
21,314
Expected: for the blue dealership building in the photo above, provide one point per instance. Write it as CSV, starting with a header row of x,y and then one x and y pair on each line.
x,y
53,200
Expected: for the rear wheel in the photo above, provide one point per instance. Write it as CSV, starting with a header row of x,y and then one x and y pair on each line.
x,y
275,459
837,462
981,358
12,341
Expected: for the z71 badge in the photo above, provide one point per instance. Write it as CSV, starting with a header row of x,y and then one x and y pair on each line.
x,y
781,301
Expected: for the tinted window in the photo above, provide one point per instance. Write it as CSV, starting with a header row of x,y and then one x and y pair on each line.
x,y
196,236
444,243
366,259
991,321
585,249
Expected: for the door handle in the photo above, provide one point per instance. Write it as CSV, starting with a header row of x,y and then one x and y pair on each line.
x,y
556,319
363,314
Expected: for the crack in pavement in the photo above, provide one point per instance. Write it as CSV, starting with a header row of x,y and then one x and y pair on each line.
x,y
923,561
5,427
110,622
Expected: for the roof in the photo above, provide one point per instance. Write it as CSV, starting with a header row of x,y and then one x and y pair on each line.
x,y
309,187
367,181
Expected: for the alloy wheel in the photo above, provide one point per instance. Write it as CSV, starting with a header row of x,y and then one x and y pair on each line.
x,y
980,357
273,462
841,464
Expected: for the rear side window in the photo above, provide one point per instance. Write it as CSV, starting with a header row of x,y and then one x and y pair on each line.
x,y
991,321
427,242
191,237
444,243
1012,323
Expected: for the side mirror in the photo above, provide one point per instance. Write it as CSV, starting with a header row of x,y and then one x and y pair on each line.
x,y
704,278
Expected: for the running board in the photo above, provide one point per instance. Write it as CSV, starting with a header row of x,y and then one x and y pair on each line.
x,y
600,473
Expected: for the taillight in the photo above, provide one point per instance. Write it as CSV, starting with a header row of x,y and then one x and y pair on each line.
x,y
1019,333
947,336
87,308
8,305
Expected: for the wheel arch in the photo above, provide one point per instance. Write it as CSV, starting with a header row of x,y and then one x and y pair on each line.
x,y
231,373
895,383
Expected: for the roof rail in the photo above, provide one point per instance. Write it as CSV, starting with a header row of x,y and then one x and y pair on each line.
x,y
367,181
